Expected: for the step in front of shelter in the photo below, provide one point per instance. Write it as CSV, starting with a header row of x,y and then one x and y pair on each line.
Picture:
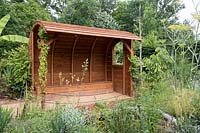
x,y
82,89
52,100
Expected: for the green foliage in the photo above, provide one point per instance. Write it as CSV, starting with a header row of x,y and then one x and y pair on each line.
x,y
108,5
42,34
88,13
98,117
70,119
129,118
105,20
3,22
40,123
152,40
188,124
134,70
23,14
32,119
43,67
5,118
13,38
15,71
81,12
118,54
152,12
84,69
157,65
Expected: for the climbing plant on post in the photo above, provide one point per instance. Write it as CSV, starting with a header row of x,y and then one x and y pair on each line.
x,y
43,67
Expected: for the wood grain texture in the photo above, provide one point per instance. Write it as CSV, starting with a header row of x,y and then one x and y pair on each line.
x,y
73,49
52,63
73,45
90,60
80,87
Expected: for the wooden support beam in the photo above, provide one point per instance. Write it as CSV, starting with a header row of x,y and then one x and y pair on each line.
x,y
73,49
112,65
126,45
131,81
32,59
52,63
106,59
51,41
91,55
124,70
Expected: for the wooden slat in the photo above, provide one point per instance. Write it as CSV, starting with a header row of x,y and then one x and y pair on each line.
x,y
106,58
112,65
82,87
91,55
124,69
73,49
52,63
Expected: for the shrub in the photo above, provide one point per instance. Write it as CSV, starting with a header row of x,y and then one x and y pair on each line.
x,y
157,65
98,117
181,102
5,118
130,118
37,124
70,119
15,71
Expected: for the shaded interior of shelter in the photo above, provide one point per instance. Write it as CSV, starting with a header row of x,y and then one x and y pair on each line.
x,y
67,54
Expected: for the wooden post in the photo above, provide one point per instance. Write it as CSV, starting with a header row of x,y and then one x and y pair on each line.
x,y
124,70
32,59
112,65
131,81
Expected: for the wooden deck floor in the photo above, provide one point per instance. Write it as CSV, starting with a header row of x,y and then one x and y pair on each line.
x,y
81,98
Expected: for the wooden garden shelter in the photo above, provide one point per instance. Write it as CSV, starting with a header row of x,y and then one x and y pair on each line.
x,y
71,45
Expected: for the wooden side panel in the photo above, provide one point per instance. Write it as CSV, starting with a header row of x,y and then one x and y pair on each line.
x,y
118,78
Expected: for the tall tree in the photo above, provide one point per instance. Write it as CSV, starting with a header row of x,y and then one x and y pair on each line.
x,y
108,5
55,7
23,14
104,20
152,12
81,12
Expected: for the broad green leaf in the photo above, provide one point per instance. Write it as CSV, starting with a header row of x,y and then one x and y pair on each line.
x,y
15,38
3,22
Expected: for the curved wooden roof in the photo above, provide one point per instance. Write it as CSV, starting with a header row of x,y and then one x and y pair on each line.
x,y
84,30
